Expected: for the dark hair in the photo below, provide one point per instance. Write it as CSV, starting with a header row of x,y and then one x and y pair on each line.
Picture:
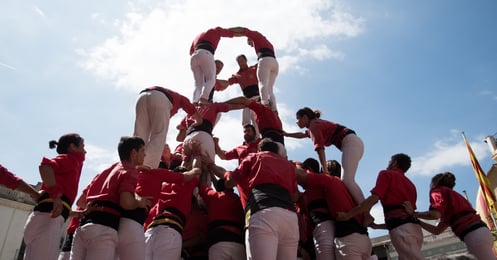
x,y
334,168
127,144
311,114
446,179
267,144
311,164
250,126
65,141
219,185
242,56
403,161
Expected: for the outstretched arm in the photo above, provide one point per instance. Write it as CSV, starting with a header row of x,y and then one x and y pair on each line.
x,y
298,135
434,229
239,100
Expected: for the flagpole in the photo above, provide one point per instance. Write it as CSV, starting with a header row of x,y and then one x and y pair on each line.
x,y
480,175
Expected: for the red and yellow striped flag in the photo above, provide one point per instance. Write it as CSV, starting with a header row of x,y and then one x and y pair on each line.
x,y
485,185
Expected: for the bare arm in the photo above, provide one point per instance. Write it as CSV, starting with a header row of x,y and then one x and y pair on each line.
x,y
365,206
220,152
28,189
430,215
298,135
433,229
129,201
322,159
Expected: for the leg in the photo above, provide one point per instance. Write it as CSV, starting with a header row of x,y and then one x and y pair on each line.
x,y
353,246
162,242
480,243
324,236
407,240
42,235
159,108
352,150
131,240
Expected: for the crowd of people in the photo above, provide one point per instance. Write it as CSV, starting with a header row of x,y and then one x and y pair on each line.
x,y
155,203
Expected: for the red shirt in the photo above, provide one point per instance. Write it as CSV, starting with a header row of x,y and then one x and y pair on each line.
x,y
325,133
338,196
265,117
208,112
259,40
8,179
312,194
267,168
451,205
213,36
245,77
242,151
108,185
223,205
150,182
178,196
67,170
393,188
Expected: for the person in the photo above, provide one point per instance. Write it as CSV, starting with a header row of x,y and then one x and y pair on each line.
x,y
334,168
202,60
394,189
250,145
326,133
271,219
267,69
246,77
163,235
225,221
13,182
267,120
111,192
456,212
60,180
323,231
203,133
351,238
65,251
154,107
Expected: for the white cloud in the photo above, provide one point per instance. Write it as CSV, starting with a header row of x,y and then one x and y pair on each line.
x,y
446,154
152,48
7,66
39,12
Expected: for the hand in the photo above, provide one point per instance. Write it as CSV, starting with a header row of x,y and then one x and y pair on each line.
x,y
342,216
408,207
144,202
57,208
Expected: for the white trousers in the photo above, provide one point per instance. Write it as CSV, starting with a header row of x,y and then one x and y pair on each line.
x,y
42,235
272,234
267,70
407,240
162,242
324,236
94,241
480,243
352,151
131,243
153,110
204,73
353,246
227,251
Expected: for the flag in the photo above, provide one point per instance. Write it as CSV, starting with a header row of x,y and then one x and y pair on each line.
x,y
486,192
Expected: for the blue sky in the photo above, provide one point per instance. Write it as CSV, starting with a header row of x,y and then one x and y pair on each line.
x,y
407,76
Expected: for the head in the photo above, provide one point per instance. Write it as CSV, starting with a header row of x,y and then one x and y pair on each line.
x,y
219,66
334,168
400,161
249,133
131,149
311,164
446,179
305,115
242,61
68,143
219,185
269,145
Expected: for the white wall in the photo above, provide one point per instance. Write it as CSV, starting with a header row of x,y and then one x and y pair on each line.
x,y
13,216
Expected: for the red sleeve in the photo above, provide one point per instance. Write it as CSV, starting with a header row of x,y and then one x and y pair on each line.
x,y
382,184
316,135
8,179
186,105
437,200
